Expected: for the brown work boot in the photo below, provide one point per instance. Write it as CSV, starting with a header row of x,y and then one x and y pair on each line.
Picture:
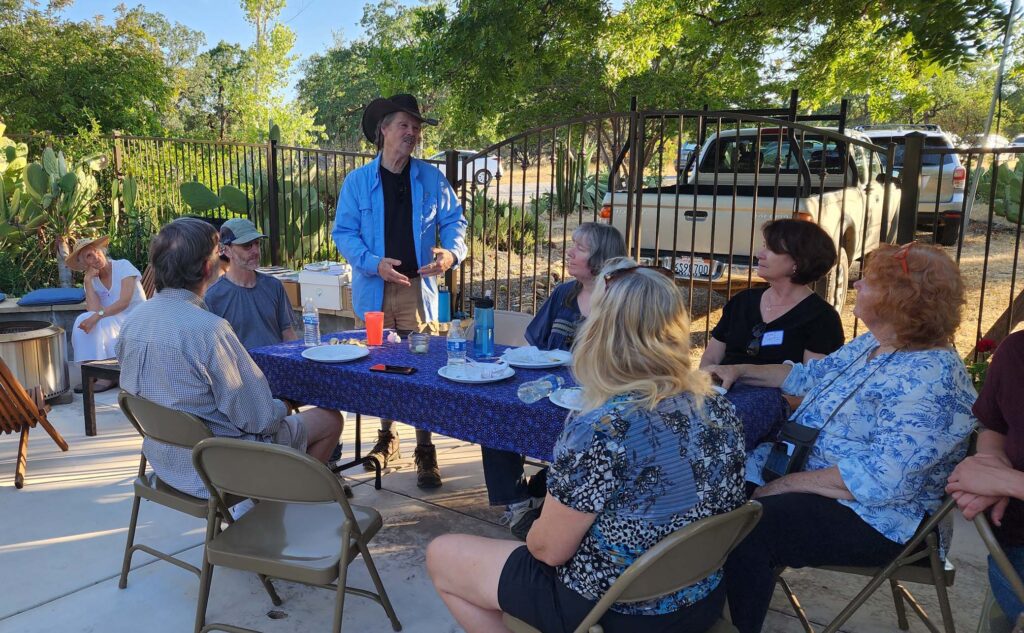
x,y
384,450
428,475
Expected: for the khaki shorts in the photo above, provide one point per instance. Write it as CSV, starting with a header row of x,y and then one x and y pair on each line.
x,y
403,308
292,433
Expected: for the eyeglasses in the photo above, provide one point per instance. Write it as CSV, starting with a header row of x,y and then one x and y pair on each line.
x,y
901,255
622,272
754,346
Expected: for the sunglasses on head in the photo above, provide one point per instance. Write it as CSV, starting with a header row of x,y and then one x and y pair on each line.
x,y
754,346
901,255
622,272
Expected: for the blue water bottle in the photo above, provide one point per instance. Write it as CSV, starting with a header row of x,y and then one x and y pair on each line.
x,y
444,305
483,325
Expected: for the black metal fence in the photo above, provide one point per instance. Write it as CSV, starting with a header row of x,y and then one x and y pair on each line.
x,y
688,189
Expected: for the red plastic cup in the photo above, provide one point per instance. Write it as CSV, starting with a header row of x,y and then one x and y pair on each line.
x,y
374,328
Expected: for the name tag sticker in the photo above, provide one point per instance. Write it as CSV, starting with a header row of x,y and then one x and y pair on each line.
x,y
772,338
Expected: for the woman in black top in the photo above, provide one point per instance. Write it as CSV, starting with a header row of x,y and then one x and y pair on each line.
x,y
786,320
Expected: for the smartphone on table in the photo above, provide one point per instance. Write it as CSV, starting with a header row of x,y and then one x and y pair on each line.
x,y
393,369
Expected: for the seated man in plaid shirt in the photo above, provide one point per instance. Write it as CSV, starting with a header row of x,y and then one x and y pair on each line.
x,y
180,355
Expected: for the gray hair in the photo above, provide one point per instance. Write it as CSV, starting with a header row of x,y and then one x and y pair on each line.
x,y
179,252
385,120
605,243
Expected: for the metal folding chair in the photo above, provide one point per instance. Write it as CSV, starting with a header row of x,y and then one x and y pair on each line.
x,y
918,562
678,560
302,529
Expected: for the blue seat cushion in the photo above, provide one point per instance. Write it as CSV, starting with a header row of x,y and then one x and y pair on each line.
x,y
53,296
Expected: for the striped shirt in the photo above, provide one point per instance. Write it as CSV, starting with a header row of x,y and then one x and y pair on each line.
x,y
177,354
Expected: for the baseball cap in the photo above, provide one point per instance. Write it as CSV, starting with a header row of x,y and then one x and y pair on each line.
x,y
239,231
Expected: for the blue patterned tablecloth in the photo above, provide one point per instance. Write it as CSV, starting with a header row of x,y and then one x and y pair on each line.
x,y
488,414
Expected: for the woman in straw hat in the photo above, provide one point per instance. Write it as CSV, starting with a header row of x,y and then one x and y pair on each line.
x,y
112,288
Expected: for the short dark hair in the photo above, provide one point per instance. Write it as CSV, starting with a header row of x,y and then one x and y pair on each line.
x,y
179,252
808,244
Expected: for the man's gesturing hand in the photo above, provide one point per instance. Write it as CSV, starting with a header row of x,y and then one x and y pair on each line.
x,y
443,260
387,272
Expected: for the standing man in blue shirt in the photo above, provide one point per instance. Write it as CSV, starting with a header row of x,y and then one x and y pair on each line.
x,y
391,214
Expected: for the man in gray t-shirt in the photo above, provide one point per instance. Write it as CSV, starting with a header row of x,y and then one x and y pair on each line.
x,y
255,304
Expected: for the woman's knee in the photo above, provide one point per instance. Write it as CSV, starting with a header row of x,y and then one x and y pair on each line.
x,y
439,553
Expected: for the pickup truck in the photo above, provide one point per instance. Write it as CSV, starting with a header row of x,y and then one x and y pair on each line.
x,y
707,228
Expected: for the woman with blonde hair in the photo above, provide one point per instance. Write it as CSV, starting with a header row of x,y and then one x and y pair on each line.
x,y
866,455
652,451
113,287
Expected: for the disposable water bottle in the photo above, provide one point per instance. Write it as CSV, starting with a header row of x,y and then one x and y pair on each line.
x,y
534,390
456,344
310,323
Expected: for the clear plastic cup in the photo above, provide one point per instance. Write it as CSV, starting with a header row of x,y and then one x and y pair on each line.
x,y
374,328
419,343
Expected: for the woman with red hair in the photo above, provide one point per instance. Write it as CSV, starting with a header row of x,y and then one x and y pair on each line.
x,y
865,457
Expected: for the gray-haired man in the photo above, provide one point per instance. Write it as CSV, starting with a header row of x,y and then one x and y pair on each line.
x,y
178,354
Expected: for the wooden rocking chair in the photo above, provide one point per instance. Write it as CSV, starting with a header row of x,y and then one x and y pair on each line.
x,y
21,410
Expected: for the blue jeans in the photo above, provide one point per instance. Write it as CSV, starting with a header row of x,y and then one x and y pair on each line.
x,y
1001,589
506,479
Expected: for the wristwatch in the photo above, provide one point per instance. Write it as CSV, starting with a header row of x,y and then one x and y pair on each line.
x,y
100,312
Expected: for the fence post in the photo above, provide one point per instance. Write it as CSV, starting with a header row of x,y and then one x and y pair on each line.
x,y
451,172
118,203
274,220
910,187
631,140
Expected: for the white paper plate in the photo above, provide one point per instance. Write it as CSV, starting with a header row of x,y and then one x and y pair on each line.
x,y
335,353
471,375
539,360
570,398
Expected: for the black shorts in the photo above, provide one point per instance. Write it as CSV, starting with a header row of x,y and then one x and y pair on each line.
x,y
529,590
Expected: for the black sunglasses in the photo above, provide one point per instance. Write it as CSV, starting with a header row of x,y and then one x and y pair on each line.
x,y
622,272
754,346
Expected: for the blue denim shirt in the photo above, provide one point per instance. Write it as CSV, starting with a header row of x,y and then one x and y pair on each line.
x,y
896,439
359,229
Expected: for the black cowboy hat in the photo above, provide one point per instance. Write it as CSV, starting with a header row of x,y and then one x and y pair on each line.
x,y
380,108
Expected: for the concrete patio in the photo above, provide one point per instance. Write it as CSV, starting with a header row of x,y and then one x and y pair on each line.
x,y
62,538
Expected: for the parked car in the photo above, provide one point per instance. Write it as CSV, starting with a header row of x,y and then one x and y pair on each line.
x,y
940,202
480,169
991,141
707,227
1018,141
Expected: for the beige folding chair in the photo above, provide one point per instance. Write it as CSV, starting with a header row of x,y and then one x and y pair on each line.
x,y
992,619
302,529
176,428
21,410
510,327
919,562
680,559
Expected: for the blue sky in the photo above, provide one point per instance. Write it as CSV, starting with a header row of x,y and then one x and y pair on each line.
x,y
314,21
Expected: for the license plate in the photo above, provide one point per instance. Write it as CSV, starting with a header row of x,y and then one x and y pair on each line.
x,y
702,269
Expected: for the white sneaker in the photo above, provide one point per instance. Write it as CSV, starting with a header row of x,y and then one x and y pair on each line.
x,y
519,517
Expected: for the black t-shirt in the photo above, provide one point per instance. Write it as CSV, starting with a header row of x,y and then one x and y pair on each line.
x,y
398,239
811,325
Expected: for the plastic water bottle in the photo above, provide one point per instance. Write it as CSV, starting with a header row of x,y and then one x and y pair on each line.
x,y
456,344
310,323
534,390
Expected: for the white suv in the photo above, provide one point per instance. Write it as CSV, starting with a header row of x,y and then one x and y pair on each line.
x,y
949,193
481,169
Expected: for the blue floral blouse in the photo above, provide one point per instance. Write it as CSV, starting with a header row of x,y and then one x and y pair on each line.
x,y
645,474
895,440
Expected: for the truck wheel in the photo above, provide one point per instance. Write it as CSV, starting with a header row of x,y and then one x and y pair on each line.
x,y
483,177
833,286
949,233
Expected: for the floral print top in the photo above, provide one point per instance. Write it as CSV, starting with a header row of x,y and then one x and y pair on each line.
x,y
645,474
899,424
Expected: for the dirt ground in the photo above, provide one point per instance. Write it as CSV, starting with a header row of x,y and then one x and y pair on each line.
x,y
990,288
